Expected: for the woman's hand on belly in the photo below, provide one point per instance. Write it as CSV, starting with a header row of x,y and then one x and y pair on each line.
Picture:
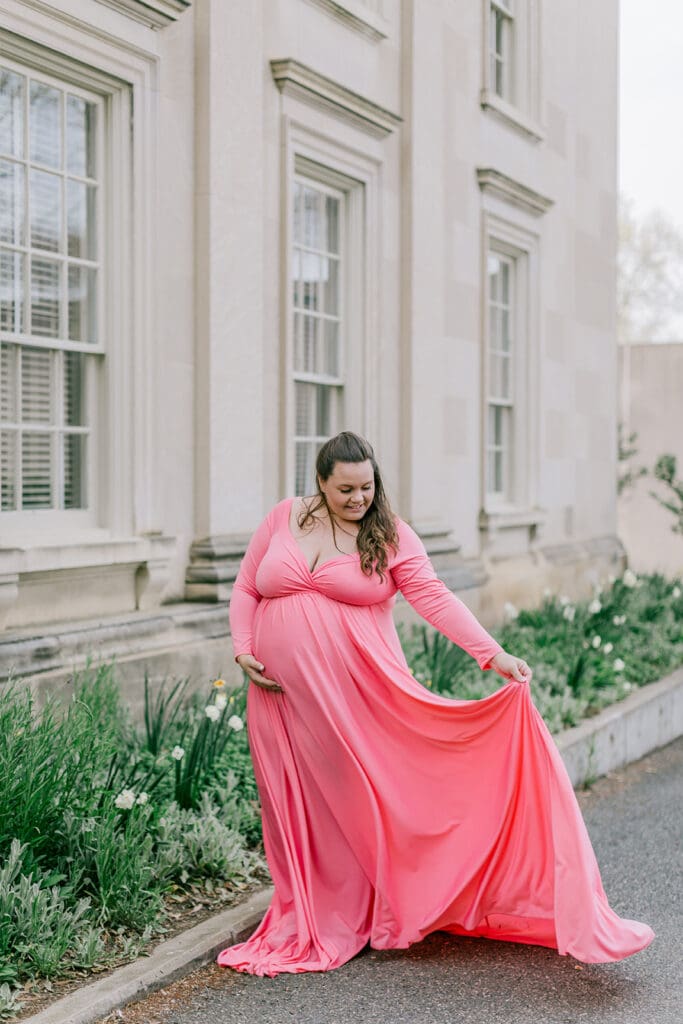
x,y
254,669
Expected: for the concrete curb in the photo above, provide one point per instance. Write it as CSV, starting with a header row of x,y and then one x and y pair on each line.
x,y
648,719
624,732
168,962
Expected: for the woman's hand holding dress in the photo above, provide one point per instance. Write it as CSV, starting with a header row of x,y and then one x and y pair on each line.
x,y
254,669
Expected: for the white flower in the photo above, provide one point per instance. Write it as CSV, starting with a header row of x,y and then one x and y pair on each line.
x,y
212,712
236,723
569,612
619,665
221,701
125,800
594,607
142,799
510,611
676,592
547,592
611,578
564,599
596,641
629,578
607,648
178,753
628,686
619,620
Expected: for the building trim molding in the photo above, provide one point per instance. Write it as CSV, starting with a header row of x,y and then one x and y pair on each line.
x,y
296,79
355,16
155,13
510,191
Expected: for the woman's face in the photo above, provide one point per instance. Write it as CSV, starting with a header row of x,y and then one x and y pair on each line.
x,y
350,489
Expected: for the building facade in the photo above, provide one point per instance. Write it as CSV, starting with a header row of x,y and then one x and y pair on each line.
x,y
651,407
230,229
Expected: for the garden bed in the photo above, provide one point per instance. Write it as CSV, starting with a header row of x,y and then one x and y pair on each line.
x,y
113,836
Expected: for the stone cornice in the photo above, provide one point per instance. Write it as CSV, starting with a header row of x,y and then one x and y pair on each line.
x,y
355,16
298,80
156,13
510,191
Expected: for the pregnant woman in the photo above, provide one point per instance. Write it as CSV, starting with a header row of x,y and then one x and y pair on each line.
x,y
388,811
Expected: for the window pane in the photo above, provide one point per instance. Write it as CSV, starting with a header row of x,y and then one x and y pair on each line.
x,y
74,471
36,470
311,274
313,221
12,113
12,203
12,305
332,211
81,220
330,271
331,356
305,453
310,326
297,294
82,304
74,389
45,298
493,267
46,210
298,215
305,409
36,388
8,383
80,137
505,330
8,470
44,118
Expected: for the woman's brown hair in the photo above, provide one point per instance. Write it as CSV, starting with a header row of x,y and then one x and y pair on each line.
x,y
377,530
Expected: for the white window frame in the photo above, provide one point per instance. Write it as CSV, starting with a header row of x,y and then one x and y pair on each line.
x,y
329,162
125,479
520,108
55,518
498,401
328,184
519,244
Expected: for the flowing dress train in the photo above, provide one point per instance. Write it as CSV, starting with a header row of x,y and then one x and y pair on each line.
x,y
389,811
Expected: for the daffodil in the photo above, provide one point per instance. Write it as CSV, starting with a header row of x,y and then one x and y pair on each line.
x,y
212,712
219,684
236,723
221,701
125,800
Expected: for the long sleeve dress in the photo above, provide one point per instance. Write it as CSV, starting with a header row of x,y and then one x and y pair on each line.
x,y
389,811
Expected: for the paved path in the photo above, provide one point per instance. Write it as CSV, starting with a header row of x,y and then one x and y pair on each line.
x,y
634,819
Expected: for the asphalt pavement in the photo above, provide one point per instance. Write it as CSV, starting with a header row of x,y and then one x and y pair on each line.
x,y
634,819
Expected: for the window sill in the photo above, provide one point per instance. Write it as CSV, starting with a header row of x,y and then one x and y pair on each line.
x,y
508,517
511,116
21,555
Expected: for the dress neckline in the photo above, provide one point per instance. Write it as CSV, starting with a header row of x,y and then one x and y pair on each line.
x,y
300,552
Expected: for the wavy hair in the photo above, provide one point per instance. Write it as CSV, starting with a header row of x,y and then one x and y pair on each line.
x,y
377,530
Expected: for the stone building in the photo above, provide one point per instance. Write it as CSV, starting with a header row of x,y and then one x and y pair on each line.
x,y
651,407
231,228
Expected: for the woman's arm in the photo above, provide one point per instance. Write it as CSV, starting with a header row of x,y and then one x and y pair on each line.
x,y
245,597
415,577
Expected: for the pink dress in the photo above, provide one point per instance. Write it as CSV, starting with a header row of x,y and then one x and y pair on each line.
x,y
388,811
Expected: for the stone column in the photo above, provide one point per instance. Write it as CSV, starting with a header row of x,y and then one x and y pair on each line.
x,y
229,219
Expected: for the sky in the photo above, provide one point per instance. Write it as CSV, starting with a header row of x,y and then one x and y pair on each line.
x,y
651,105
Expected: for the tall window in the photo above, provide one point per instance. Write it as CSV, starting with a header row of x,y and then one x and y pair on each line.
x,y
317,272
501,48
49,275
501,373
